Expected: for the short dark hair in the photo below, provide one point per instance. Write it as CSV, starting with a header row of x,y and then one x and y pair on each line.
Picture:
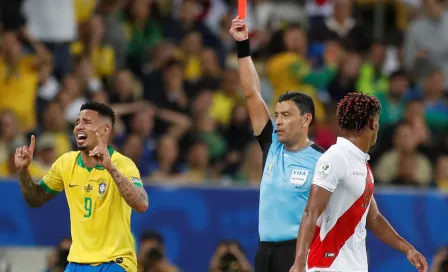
x,y
102,109
303,102
152,235
355,110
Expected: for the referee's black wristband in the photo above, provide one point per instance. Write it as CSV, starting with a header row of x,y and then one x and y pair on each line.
x,y
243,48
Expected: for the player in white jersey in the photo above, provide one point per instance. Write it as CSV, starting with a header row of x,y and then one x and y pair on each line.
x,y
332,235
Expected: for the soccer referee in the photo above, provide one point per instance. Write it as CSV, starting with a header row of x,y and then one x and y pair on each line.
x,y
289,160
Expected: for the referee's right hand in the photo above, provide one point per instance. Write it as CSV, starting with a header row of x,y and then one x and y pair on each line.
x,y
24,155
239,30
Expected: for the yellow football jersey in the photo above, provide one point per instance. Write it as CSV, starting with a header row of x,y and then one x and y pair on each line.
x,y
99,215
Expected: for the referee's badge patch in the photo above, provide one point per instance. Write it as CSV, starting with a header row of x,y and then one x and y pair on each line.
x,y
324,170
298,177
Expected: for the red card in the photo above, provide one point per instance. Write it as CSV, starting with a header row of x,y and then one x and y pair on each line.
x,y
242,9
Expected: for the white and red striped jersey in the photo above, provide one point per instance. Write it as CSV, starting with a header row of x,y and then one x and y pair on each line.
x,y
339,242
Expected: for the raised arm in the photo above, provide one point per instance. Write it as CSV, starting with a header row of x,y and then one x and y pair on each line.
x,y
258,111
34,194
386,233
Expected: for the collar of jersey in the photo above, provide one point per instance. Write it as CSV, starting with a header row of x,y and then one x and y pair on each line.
x,y
353,148
99,167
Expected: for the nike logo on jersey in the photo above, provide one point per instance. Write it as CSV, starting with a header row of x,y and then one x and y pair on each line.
x,y
72,185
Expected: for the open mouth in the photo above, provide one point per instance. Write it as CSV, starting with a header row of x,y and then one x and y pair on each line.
x,y
81,138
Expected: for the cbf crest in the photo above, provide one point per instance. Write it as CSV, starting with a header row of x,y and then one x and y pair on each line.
x,y
102,187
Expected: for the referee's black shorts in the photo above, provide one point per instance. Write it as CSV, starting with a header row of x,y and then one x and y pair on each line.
x,y
275,256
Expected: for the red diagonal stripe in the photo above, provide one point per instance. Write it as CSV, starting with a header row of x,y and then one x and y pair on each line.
x,y
342,230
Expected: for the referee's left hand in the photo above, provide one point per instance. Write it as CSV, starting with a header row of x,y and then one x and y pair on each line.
x,y
417,260
100,153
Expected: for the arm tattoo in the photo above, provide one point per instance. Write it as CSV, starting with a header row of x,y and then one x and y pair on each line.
x,y
33,193
134,195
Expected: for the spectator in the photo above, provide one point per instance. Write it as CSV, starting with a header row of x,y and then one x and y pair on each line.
x,y
189,54
144,31
342,26
414,116
84,10
426,42
125,93
8,167
251,166
151,256
54,24
11,17
166,165
57,258
225,100
92,45
54,124
289,69
197,168
177,29
239,125
403,164
206,132
229,256
202,104
440,260
142,124
111,12
392,101
48,86
84,71
210,70
436,107
442,173
372,79
71,97
45,151
345,80
326,133
133,148
172,95
20,72
9,131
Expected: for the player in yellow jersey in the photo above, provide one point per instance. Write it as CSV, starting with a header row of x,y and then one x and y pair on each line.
x,y
102,187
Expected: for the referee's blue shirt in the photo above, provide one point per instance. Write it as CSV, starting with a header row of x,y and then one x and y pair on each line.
x,y
285,186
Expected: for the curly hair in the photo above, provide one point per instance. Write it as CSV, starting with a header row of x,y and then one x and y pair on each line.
x,y
355,110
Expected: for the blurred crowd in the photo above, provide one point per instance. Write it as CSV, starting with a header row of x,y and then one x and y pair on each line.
x,y
228,256
151,256
169,70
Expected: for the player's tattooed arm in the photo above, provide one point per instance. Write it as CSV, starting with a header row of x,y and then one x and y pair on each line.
x,y
33,193
135,196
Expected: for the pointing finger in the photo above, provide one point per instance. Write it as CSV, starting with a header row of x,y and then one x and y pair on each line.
x,y
32,144
98,137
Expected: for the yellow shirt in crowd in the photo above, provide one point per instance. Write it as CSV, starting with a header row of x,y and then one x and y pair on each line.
x,y
103,58
278,70
20,85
